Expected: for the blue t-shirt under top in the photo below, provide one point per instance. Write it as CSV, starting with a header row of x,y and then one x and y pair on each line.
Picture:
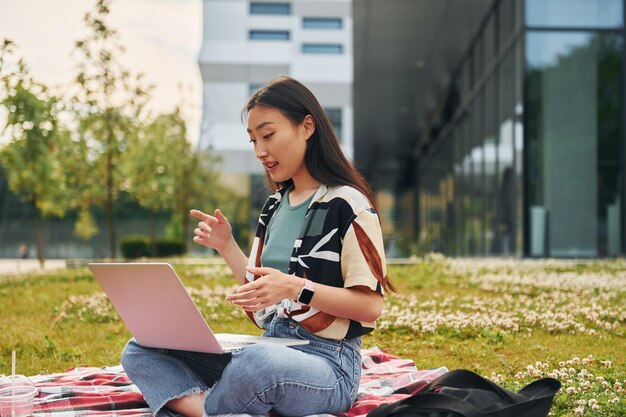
x,y
284,228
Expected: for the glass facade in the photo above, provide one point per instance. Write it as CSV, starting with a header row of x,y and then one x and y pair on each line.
x,y
575,13
529,159
574,108
334,115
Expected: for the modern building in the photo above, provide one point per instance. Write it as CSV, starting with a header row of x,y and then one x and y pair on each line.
x,y
495,127
247,43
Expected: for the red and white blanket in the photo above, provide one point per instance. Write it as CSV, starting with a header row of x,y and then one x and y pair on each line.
x,y
108,391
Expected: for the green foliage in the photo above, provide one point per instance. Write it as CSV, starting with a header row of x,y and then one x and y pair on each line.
x,y
138,246
34,171
174,229
112,149
237,208
169,247
135,246
162,170
108,108
85,226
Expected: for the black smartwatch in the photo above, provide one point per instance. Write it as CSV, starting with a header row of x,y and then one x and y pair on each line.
x,y
306,293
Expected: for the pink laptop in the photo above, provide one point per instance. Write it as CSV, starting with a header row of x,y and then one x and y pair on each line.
x,y
159,312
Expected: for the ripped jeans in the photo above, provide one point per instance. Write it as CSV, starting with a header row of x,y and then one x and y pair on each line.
x,y
320,377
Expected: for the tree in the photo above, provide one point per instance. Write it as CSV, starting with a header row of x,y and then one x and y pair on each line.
x,y
82,188
152,168
164,174
110,101
30,159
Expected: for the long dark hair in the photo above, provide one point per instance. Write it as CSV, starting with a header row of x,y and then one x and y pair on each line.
x,y
324,157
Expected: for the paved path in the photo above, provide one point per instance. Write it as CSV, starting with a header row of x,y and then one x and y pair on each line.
x,y
18,266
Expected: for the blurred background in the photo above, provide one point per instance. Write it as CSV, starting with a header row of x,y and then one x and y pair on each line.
x,y
486,127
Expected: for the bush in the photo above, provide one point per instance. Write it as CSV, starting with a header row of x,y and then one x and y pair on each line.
x,y
169,247
136,246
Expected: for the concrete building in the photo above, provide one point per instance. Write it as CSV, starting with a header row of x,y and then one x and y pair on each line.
x,y
247,43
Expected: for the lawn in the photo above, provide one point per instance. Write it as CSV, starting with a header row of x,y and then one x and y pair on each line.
x,y
512,321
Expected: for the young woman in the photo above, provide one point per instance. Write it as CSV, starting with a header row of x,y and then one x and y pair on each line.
x,y
316,271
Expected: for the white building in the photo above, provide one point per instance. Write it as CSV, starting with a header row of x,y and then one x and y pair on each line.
x,y
247,43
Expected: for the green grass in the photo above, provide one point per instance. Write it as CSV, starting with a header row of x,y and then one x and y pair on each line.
x,y
511,321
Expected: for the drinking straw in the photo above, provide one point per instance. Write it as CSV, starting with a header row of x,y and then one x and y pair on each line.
x,y
13,384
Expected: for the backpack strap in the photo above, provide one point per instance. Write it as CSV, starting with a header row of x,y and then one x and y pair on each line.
x,y
545,387
426,402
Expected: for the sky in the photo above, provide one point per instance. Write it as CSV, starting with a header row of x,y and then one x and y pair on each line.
x,y
162,40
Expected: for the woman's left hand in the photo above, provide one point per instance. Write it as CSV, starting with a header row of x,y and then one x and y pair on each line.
x,y
272,287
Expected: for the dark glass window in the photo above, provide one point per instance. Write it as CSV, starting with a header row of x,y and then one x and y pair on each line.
x,y
465,79
322,23
490,167
489,39
269,35
334,115
505,21
518,150
270,8
575,13
505,201
468,212
254,87
478,59
476,215
322,48
574,113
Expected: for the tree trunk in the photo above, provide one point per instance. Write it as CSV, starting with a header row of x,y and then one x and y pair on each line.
x,y
110,208
37,233
185,197
153,237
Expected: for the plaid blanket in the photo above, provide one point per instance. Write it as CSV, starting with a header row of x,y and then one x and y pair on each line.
x,y
107,391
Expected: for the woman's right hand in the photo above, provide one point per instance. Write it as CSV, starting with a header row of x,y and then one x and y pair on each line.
x,y
213,231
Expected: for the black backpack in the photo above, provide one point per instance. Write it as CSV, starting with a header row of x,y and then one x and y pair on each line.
x,y
463,393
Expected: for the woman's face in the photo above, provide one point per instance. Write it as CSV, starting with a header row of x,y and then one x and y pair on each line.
x,y
278,143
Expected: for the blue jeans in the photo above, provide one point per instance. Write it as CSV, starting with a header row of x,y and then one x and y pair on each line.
x,y
320,377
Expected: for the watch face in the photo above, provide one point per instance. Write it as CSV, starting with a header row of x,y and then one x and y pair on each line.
x,y
306,296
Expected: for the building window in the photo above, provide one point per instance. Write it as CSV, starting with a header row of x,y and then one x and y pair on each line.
x,y
269,35
322,48
270,8
575,13
254,87
322,23
573,116
334,115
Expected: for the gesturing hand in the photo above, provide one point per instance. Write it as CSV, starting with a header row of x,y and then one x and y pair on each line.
x,y
272,287
213,231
